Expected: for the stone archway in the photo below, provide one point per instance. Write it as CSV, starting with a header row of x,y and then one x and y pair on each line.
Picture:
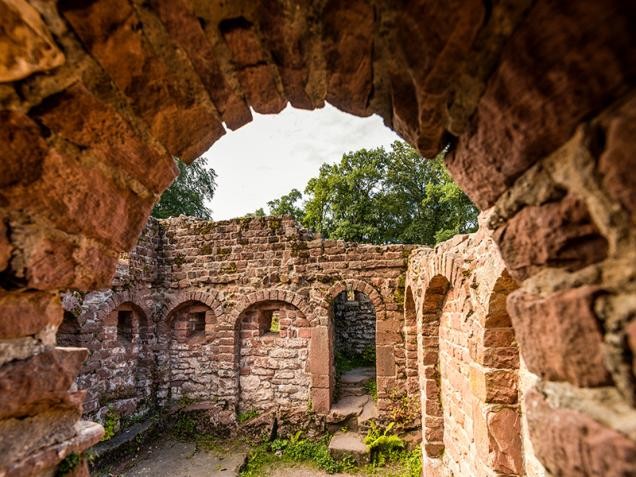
x,y
106,92
428,340
497,413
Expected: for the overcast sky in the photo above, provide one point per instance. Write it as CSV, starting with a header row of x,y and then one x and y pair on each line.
x,y
275,153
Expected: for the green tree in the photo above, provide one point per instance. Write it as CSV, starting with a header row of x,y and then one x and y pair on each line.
x,y
287,205
379,196
188,193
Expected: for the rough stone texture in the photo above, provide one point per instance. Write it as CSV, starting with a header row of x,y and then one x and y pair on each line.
x,y
572,347
570,443
26,46
354,324
464,352
538,95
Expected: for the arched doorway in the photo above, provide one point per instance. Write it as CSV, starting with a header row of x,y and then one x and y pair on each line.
x,y
354,386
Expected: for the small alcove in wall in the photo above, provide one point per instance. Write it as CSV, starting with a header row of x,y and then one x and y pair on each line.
x,y
69,332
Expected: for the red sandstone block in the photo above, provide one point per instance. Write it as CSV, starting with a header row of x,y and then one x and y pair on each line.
x,y
22,387
570,347
569,442
494,386
26,313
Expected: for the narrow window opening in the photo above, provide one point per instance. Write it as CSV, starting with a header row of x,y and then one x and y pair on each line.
x,y
351,295
125,326
68,334
274,325
196,324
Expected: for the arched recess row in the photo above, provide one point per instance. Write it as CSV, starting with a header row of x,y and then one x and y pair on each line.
x,y
187,345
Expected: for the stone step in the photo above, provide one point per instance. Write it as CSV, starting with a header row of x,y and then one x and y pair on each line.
x,y
349,444
369,413
345,412
345,391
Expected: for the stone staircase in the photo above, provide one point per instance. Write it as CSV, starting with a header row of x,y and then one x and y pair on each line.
x,y
349,418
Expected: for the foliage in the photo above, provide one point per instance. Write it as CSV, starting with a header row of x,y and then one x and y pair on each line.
x,y
380,196
287,205
68,465
184,428
371,387
368,354
348,361
294,449
188,193
247,415
402,409
382,442
111,424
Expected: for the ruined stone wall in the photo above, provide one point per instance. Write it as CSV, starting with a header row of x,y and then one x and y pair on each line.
x,y
202,288
354,324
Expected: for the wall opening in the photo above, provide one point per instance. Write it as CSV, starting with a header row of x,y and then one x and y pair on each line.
x,y
125,326
188,333
498,412
429,368
354,324
69,332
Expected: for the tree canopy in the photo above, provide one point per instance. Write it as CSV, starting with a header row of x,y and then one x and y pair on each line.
x,y
188,193
379,196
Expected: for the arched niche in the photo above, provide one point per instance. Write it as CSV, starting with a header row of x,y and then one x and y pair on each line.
x,y
272,355
428,333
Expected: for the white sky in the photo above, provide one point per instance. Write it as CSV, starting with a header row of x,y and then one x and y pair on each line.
x,y
275,153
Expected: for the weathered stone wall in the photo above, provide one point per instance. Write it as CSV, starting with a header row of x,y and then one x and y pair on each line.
x,y
273,365
197,290
354,324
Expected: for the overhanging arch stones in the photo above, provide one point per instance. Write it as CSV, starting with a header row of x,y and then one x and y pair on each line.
x,y
357,285
209,299
299,301
138,298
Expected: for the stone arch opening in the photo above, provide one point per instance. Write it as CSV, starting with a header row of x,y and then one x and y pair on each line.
x,y
495,378
129,362
69,333
273,364
428,340
122,115
410,343
189,332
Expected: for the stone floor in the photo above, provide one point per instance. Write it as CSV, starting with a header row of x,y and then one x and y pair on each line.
x,y
172,458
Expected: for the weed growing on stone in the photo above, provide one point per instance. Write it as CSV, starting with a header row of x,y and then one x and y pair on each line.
x,y
388,449
295,449
371,388
184,428
68,465
111,424
247,415
382,442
